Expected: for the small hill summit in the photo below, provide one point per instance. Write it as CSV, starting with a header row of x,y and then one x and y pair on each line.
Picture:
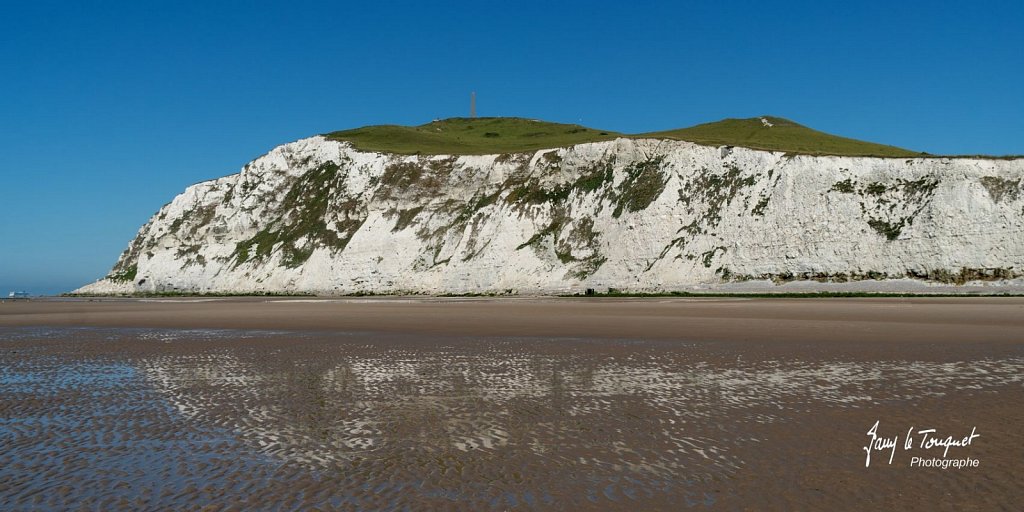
x,y
518,206
777,134
470,136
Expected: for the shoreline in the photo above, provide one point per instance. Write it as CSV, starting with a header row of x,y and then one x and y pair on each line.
x,y
752,294
745,319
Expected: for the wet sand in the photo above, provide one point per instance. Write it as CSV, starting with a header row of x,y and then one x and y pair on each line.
x,y
470,404
833,320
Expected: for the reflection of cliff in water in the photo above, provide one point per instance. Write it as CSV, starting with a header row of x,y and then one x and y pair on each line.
x,y
255,419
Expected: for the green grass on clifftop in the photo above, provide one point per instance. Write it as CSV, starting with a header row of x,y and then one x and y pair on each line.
x,y
496,135
471,136
782,135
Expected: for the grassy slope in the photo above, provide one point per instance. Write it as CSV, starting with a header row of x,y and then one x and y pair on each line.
x,y
784,135
492,135
466,136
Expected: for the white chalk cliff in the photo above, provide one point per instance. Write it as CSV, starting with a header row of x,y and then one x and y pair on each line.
x,y
319,216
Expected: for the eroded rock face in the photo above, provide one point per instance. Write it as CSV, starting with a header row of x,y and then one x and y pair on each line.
x,y
631,214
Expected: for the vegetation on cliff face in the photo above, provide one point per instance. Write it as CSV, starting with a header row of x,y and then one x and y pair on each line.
x,y
546,197
124,275
959,277
303,225
706,195
1002,188
644,182
889,208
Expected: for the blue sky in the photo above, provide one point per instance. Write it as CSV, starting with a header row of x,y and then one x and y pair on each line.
x,y
109,109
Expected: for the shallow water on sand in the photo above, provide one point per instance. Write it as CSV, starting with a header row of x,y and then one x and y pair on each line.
x,y
146,418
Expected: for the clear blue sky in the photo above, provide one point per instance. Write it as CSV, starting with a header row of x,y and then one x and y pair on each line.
x,y
109,109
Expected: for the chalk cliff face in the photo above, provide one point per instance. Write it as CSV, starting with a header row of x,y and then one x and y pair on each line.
x,y
318,216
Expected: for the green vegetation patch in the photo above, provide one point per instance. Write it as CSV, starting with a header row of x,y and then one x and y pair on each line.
x,y
508,135
415,179
470,136
760,207
705,195
944,276
890,231
875,189
405,217
644,182
966,274
124,275
596,178
459,215
715,191
533,192
890,207
303,227
846,186
1002,188
782,135
708,256
580,234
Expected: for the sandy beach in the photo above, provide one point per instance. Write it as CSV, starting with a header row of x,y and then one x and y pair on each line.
x,y
835,320
510,404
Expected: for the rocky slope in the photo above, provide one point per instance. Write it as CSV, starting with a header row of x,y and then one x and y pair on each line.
x,y
632,214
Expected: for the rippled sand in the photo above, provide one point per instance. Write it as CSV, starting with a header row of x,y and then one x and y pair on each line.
x,y
143,418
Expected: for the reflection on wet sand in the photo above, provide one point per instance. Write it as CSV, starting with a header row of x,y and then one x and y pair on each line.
x,y
486,428
176,418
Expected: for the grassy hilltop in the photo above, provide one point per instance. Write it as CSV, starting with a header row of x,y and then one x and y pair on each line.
x,y
488,135
782,135
471,136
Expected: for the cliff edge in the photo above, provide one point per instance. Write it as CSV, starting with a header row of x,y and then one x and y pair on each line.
x,y
631,213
